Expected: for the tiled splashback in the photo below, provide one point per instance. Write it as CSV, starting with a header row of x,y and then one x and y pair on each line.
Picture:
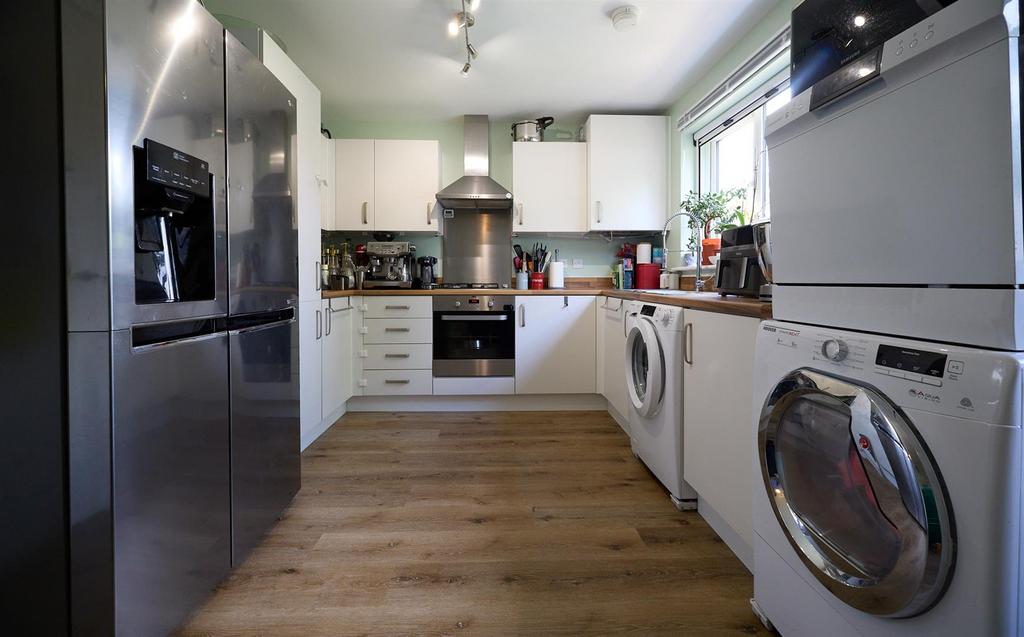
x,y
586,256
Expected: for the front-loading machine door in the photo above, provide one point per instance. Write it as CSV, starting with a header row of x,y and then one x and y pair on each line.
x,y
645,368
856,493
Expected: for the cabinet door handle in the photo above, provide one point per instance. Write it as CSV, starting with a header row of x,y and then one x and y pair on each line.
x,y
688,343
396,381
396,356
519,208
319,326
430,209
597,209
317,264
327,319
366,204
522,316
396,329
397,307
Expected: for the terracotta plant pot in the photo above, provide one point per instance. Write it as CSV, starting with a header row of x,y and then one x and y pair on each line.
x,y
709,248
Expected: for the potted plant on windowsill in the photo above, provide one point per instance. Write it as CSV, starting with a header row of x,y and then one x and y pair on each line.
x,y
716,212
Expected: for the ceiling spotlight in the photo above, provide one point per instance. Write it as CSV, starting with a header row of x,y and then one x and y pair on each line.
x,y
465,69
859,20
472,50
625,17
453,27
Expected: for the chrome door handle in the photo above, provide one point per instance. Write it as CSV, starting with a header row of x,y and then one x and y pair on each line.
x,y
430,208
688,343
597,210
396,329
319,326
396,381
396,356
366,204
519,208
327,315
522,316
317,264
396,307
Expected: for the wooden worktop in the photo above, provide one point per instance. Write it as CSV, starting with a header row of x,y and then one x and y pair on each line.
x,y
708,301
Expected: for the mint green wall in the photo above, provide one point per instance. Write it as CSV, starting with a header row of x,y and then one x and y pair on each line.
x,y
683,158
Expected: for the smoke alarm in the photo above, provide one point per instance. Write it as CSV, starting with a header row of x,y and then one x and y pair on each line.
x,y
625,18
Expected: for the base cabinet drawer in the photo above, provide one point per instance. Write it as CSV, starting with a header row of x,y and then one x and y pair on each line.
x,y
398,382
411,356
390,331
398,307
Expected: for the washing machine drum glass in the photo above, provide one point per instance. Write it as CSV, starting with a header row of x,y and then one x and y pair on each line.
x,y
857,494
645,369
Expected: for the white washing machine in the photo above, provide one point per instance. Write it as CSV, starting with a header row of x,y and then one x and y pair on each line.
x,y
888,499
654,378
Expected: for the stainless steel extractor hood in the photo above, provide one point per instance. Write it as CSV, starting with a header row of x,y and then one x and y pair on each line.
x,y
476,189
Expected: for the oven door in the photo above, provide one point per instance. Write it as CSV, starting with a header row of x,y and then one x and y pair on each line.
x,y
475,343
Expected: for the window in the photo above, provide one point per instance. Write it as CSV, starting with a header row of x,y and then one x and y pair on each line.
x,y
732,152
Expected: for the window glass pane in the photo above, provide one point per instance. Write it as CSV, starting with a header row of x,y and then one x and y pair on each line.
x,y
778,101
735,156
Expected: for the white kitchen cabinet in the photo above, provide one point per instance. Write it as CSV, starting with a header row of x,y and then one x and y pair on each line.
x,y
307,146
550,185
718,430
353,184
407,176
627,159
611,363
310,372
325,178
556,345
338,355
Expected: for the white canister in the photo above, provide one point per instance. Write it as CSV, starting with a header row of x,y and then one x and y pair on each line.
x,y
556,274
643,253
673,281
664,280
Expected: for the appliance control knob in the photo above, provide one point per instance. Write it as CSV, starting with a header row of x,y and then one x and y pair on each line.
x,y
834,350
490,304
458,304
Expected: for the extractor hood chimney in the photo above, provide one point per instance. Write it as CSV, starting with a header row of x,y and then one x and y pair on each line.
x,y
476,189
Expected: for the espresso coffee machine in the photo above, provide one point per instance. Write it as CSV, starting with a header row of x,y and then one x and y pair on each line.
x,y
739,268
390,264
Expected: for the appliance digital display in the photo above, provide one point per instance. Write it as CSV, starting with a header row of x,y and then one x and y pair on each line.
x,y
911,360
170,167
829,34
647,310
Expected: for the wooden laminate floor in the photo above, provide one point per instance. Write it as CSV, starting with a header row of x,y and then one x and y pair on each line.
x,y
481,524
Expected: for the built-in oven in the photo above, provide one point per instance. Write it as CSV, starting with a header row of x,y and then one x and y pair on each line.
x,y
474,336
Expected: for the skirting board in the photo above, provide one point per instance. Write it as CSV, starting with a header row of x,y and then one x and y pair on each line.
x,y
731,538
311,436
556,402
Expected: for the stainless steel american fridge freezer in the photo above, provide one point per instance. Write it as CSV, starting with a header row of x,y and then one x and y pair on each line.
x,y
181,287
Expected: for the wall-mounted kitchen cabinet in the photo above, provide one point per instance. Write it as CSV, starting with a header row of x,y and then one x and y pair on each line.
x,y
627,158
386,184
549,181
556,345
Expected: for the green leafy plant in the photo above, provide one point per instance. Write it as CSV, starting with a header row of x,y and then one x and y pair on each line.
x,y
717,211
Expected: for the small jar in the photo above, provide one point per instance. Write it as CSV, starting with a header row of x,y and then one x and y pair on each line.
x,y
522,281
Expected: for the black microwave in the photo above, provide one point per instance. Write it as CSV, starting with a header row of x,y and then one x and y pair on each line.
x,y
830,35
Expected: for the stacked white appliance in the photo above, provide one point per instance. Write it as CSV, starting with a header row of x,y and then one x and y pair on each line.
x,y
888,395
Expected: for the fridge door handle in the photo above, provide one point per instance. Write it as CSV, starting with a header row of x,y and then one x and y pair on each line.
x,y
265,326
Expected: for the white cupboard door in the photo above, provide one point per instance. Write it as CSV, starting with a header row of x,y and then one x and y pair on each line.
x,y
306,148
407,176
550,186
337,357
613,369
556,345
310,372
353,184
628,171
718,438
325,178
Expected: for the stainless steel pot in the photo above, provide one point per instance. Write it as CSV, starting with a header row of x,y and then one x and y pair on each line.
x,y
531,130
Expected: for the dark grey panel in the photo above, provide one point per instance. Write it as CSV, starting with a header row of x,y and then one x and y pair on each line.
x,y
165,74
264,430
262,215
171,478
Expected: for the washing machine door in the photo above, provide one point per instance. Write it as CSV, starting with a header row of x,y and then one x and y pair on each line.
x,y
645,368
857,493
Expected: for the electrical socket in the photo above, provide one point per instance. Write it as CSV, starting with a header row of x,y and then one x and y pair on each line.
x,y
577,264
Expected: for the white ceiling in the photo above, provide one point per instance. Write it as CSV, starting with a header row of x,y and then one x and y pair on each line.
x,y
392,60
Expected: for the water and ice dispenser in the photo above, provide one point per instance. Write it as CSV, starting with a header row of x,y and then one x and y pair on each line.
x,y
175,234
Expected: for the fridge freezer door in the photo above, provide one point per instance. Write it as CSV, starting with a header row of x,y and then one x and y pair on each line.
x,y
263,234
171,474
264,428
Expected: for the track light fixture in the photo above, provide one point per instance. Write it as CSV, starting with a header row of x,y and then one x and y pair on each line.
x,y
462,21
